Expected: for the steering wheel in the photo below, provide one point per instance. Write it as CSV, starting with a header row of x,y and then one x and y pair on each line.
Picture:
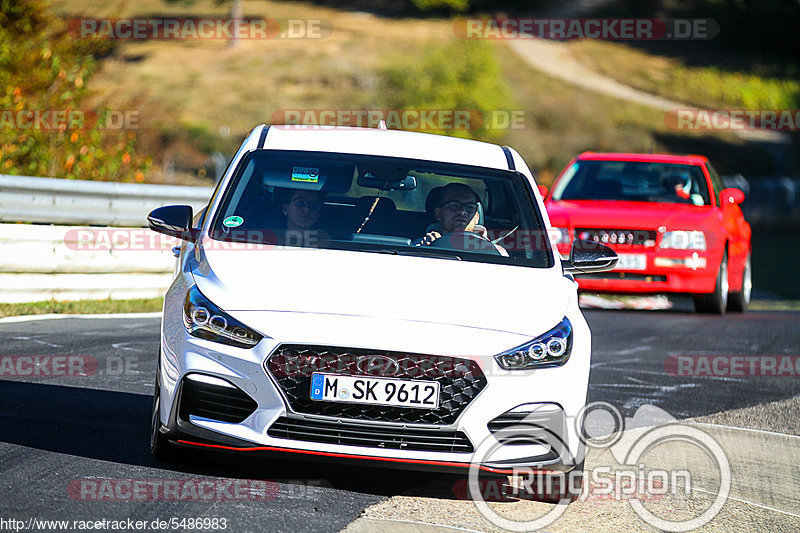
x,y
465,241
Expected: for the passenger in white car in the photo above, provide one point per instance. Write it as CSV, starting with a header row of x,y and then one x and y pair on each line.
x,y
302,210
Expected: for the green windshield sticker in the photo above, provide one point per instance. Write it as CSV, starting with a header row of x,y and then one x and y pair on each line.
x,y
305,174
232,222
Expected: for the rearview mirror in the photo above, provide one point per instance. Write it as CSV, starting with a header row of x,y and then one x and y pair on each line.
x,y
589,256
172,220
543,190
409,183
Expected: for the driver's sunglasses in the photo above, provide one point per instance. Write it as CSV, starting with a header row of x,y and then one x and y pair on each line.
x,y
469,208
313,205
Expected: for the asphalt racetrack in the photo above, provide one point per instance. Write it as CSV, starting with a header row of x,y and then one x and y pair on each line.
x,y
70,446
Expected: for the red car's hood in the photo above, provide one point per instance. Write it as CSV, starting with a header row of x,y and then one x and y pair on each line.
x,y
626,215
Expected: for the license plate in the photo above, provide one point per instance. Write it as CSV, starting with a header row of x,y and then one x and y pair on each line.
x,y
375,391
631,262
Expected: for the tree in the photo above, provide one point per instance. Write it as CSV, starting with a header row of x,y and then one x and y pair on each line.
x,y
44,76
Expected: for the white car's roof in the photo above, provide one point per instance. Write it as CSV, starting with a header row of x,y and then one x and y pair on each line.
x,y
372,141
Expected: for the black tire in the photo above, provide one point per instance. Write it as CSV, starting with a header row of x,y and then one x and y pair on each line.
x,y
738,302
555,489
571,490
717,301
160,448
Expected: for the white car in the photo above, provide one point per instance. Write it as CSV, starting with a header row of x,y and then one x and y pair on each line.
x,y
311,318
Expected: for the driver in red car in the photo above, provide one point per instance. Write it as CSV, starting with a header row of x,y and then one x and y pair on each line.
x,y
457,211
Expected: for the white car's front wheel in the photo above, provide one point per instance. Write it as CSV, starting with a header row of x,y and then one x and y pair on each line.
x,y
160,448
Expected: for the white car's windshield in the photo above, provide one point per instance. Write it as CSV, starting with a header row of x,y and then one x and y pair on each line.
x,y
383,204
633,181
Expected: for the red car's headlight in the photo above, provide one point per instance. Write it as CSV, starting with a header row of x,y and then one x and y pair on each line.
x,y
683,240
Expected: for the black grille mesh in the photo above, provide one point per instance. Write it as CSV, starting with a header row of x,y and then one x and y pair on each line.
x,y
226,404
546,426
460,382
371,436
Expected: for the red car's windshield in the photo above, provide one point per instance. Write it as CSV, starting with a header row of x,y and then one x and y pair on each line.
x,y
634,181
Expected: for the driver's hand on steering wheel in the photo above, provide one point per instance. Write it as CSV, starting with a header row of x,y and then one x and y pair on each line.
x,y
429,237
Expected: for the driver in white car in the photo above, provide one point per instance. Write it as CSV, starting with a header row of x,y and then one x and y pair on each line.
x,y
457,211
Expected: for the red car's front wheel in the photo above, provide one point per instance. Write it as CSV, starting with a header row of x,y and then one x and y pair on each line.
x,y
717,301
738,301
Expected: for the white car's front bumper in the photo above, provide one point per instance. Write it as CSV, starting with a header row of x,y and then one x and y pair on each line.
x,y
282,423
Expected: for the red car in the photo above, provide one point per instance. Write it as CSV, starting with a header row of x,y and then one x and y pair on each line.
x,y
674,226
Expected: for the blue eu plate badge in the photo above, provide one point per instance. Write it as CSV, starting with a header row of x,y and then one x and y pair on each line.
x,y
317,381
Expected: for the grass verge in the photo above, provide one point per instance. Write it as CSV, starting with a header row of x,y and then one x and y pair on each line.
x,y
562,120
775,305
195,97
708,86
85,307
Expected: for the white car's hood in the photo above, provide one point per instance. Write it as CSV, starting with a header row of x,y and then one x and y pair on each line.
x,y
512,299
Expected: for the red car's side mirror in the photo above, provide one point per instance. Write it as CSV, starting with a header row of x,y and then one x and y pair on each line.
x,y
731,196
543,190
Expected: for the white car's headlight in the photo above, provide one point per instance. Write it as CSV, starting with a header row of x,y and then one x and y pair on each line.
x,y
550,349
683,240
205,320
558,236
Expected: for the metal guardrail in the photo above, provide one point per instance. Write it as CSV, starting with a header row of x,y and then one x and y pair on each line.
x,y
43,262
62,201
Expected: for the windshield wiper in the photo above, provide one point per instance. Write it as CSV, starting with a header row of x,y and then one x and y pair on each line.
x,y
418,251
415,253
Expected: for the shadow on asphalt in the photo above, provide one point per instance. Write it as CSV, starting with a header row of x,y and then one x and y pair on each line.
x,y
114,426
